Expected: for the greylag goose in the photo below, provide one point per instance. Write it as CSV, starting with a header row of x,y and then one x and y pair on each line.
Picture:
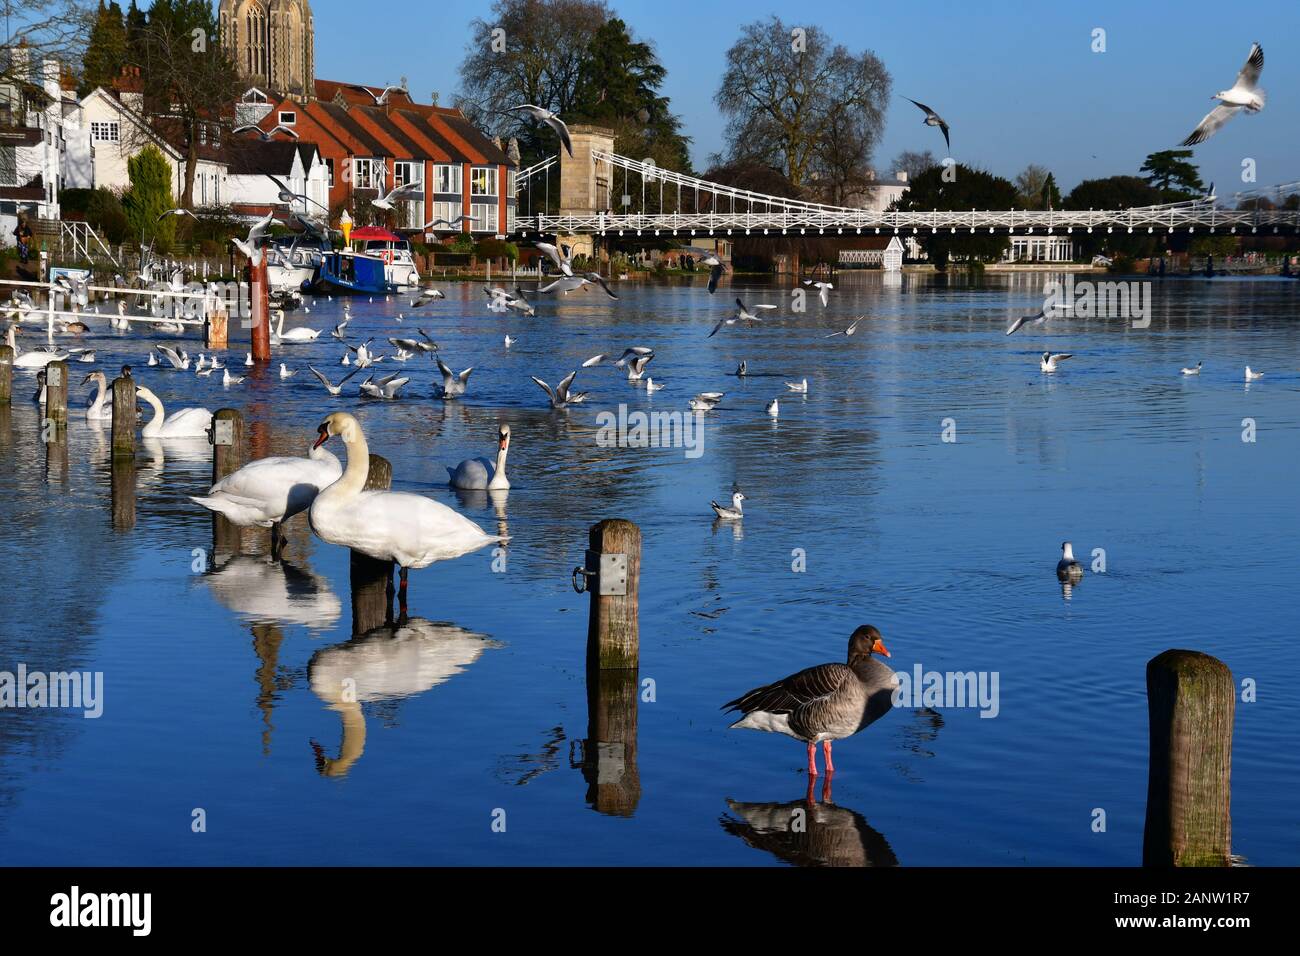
x,y
824,703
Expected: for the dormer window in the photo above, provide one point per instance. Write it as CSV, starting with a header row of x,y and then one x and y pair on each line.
x,y
288,118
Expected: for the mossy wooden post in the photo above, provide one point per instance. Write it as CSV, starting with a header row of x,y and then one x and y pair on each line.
x,y
56,394
227,437
259,293
1191,699
371,579
123,418
613,634
6,374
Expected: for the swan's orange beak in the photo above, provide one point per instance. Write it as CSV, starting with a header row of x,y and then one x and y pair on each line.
x,y
504,442
323,437
879,648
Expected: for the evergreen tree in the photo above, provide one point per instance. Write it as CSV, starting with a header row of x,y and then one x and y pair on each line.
x,y
1171,172
964,188
105,50
136,20
1050,197
148,197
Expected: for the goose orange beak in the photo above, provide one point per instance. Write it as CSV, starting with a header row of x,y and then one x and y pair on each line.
x,y
879,648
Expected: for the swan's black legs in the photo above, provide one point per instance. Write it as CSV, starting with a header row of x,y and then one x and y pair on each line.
x,y
277,542
401,593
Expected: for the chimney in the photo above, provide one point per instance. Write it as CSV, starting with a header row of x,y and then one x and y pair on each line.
x,y
901,175
20,61
50,78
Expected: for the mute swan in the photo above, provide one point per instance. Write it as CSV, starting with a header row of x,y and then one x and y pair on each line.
x,y
294,335
481,473
187,423
269,491
824,703
408,529
101,408
31,359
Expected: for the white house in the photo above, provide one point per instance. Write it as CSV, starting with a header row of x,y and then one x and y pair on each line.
x,y
875,252
1040,248
31,141
300,166
883,192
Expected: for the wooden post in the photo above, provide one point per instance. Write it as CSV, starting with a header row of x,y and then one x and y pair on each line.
x,y
259,291
56,393
1191,699
216,330
123,492
124,418
372,580
6,374
613,634
227,438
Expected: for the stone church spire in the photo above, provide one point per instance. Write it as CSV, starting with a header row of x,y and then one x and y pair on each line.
x,y
272,43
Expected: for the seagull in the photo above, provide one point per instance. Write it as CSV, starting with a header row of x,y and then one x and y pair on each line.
x,y
519,304
716,268
176,212
1049,360
265,135
550,119
773,408
823,289
453,385
932,119
329,386
510,341
379,98
203,372
801,387
849,331
248,246
637,367
741,314
407,191
180,360
1244,94
287,195
387,388
1068,569
734,513
432,223
285,372
1194,371
651,386
227,379
153,359
1251,376
629,355
561,396
415,345
248,359
742,369
562,262
705,401
427,294
338,329
1038,318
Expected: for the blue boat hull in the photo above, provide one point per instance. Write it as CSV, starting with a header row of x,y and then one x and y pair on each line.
x,y
351,275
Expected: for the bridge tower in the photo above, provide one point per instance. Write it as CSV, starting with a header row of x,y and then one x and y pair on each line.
x,y
585,184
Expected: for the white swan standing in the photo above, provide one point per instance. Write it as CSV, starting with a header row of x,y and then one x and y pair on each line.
x,y
408,529
269,491
482,473
31,359
294,335
187,423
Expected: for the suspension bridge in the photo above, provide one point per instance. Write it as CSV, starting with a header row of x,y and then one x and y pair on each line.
x,y
651,201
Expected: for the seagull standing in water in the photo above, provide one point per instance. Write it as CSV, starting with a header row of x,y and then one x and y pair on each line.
x,y
801,387
1193,371
550,119
1244,94
1251,376
1049,360
932,119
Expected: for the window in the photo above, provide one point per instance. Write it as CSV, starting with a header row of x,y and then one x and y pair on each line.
x,y
105,132
411,213
446,179
446,211
485,218
329,167
367,173
407,172
287,118
512,182
9,166
483,181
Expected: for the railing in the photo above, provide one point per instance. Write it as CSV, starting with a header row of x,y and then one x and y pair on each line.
x,y
80,236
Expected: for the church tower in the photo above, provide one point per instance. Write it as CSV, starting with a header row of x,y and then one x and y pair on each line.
x,y
272,43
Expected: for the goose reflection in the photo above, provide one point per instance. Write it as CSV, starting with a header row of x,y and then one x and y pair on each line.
x,y
387,663
276,592
807,833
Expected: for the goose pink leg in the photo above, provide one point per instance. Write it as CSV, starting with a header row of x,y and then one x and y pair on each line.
x,y
812,758
826,748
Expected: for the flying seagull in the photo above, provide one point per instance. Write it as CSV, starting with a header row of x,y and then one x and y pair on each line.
x,y
177,212
932,119
849,331
287,195
407,191
716,268
550,119
1038,318
330,386
560,396
449,222
379,98
562,262
249,246
823,290
453,385
265,135
741,314
427,294
1244,94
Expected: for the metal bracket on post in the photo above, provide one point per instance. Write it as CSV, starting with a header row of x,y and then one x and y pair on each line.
x,y
609,570
54,375
223,432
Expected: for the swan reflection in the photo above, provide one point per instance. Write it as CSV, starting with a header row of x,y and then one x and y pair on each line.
x,y
807,833
387,663
277,592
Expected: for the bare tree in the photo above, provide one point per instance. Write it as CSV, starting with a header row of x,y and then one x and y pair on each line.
x,y
783,91
1029,186
55,29
914,163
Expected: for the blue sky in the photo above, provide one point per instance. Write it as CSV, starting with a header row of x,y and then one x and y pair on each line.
x,y
1017,81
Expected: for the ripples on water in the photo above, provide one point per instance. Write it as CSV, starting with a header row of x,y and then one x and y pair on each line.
x,y
217,684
